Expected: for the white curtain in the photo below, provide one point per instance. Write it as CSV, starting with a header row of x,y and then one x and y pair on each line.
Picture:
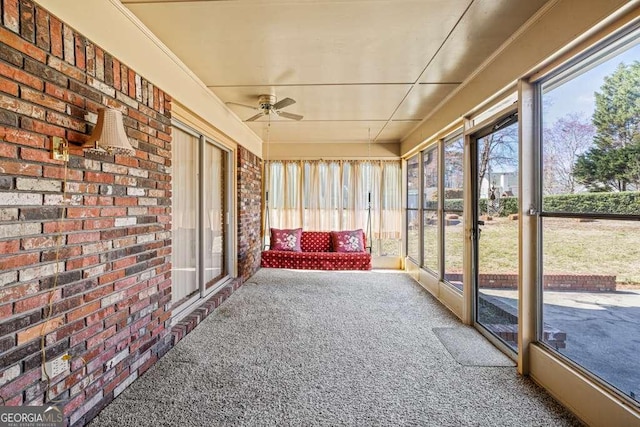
x,y
334,195
213,234
322,195
184,203
390,196
285,201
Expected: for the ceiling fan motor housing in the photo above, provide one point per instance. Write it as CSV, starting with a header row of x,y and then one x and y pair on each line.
x,y
266,101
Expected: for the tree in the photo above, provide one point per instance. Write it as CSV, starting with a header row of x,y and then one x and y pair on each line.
x,y
609,169
497,150
566,139
613,163
617,113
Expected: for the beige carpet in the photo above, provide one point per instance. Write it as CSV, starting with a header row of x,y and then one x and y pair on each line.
x,y
304,348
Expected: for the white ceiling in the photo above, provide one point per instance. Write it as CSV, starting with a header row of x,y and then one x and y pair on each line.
x,y
354,67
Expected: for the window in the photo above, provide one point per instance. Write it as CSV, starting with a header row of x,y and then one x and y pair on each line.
x,y
430,197
453,235
590,212
413,212
439,220
335,195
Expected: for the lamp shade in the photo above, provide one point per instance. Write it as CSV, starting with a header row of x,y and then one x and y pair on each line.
x,y
109,133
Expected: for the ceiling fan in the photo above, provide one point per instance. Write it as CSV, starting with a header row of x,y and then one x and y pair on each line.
x,y
267,104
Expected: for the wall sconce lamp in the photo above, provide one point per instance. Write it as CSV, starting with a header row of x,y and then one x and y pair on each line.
x,y
108,136
59,149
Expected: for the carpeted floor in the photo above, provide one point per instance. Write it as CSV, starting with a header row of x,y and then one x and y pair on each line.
x,y
300,348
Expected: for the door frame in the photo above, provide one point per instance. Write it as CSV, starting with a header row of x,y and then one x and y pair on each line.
x,y
503,118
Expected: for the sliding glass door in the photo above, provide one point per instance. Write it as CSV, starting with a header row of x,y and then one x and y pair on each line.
x,y
495,231
200,218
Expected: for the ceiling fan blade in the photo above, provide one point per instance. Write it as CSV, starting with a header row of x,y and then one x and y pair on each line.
x,y
256,117
283,103
241,105
289,115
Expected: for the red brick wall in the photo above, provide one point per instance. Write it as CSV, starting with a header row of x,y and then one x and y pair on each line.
x,y
110,300
552,282
249,215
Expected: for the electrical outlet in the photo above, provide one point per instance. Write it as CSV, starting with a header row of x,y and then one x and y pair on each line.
x,y
56,366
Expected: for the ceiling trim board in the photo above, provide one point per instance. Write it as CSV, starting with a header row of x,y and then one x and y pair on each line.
x,y
317,84
440,83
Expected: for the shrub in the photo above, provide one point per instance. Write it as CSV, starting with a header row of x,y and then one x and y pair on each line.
x,y
626,202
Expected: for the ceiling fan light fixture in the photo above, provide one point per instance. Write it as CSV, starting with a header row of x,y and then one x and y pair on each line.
x,y
268,104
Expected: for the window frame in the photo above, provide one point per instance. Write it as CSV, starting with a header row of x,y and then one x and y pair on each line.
x,y
417,210
450,139
432,148
608,47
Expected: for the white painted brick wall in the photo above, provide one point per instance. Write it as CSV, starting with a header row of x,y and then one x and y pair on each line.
x,y
112,299
20,199
45,270
113,168
30,184
125,384
134,191
117,359
57,200
9,277
141,173
9,374
121,222
8,214
146,201
145,238
19,230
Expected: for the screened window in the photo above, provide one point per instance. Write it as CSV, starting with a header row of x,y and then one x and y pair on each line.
x,y
453,176
413,212
430,197
590,203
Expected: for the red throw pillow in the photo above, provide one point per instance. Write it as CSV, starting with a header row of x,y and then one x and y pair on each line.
x,y
286,240
348,241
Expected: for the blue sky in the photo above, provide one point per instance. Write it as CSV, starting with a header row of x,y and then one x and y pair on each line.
x,y
577,94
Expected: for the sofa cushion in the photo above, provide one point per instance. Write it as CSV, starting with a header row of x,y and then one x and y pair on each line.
x,y
316,241
286,240
348,240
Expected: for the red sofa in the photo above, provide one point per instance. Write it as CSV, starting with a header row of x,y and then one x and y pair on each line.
x,y
317,254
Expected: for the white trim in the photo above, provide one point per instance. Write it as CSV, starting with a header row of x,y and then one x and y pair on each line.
x,y
592,403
